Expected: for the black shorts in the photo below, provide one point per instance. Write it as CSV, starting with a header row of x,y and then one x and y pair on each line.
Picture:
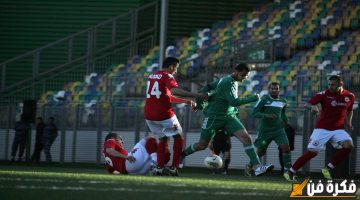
x,y
221,142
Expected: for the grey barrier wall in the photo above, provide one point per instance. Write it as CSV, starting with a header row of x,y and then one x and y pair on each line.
x,y
82,131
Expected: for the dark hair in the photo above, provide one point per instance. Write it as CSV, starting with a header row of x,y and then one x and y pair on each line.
x,y
274,83
170,61
40,118
111,135
52,118
242,67
337,78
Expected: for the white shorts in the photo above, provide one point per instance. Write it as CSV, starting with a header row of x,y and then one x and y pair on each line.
x,y
320,137
168,127
143,159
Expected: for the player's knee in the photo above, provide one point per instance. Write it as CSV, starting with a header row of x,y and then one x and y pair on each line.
x,y
151,140
201,146
243,136
312,152
164,139
151,145
285,148
348,145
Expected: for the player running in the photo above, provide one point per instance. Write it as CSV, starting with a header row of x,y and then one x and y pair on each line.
x,y
270,110
160,116
334,126
221,112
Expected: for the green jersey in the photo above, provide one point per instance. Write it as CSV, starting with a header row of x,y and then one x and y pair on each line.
x,y
223,98
266,106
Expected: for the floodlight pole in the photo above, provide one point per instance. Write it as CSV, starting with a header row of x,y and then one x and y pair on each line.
x,y
163,28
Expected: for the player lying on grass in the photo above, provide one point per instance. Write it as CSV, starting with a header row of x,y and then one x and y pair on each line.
x,y
138,161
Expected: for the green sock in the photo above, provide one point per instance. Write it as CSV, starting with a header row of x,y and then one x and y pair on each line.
x,y
287,160
189,150
250,151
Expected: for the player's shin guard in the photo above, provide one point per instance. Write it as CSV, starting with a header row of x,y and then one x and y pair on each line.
x,y
250,151
151,145
338,157
177,148
302,160
161,153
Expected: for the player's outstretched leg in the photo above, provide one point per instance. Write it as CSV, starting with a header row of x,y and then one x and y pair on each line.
x,y
201,145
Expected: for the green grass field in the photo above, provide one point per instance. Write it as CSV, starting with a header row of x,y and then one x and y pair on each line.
x,y
90,182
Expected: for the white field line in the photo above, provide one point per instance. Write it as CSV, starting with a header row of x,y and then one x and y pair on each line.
x,y
122,189
117,182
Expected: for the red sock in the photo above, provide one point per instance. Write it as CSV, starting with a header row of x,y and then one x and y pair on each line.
x,y
178,147
167,156
161,152
339,156
151,145
302,160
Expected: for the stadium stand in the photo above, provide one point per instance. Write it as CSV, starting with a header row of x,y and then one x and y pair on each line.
x,y
311,38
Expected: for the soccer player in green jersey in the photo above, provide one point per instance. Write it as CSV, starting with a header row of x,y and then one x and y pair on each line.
x,y
270,110
221,112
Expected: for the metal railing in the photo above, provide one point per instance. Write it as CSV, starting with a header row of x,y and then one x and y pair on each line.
x,y
81,127
91,50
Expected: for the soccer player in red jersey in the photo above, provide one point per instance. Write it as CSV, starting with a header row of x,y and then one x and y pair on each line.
x,y
334,126
137,161
159,114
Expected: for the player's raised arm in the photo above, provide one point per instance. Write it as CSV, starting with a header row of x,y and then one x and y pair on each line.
x,y
312,104
312,108
183,93
257,109
209,87
241,101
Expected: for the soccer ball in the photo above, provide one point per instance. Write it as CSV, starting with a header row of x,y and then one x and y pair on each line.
x,y
213,162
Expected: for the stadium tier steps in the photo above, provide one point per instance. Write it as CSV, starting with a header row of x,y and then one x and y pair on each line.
x,y
311,37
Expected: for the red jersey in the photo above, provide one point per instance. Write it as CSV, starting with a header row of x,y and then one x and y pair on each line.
x,y
118,163
334,108
158,105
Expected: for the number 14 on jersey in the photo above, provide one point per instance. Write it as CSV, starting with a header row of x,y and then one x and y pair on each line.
x,y
154,90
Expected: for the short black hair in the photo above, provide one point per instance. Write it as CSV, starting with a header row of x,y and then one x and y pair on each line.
x,y
274,83
52,118
111,135
170,61
337,78
242,67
